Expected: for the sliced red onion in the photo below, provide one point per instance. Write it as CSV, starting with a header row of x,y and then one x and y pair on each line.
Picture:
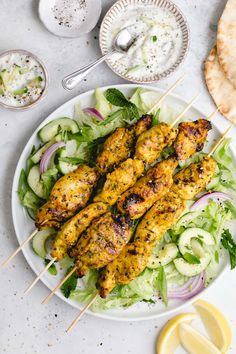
x,y
45,160
93,112
203,200
191,288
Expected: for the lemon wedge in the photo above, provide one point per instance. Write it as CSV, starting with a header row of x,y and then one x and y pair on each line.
x,y
169,340
216,325
194,342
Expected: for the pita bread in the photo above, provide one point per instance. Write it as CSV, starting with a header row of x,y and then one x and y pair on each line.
x,y
220,88
226,41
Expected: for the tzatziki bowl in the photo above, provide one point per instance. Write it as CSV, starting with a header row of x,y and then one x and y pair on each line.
x,y
161,39
23,79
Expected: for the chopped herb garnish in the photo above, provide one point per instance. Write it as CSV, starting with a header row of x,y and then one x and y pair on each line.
x,y
69,285
154,38
190,258
230,245
52,269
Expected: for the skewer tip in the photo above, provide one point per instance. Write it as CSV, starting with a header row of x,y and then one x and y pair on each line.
x,y
82,312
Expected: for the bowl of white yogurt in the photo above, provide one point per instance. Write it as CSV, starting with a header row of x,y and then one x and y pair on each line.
x,y
162,39
23,79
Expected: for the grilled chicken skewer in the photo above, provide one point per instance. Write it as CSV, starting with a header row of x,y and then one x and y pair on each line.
x,y
69,193
162,216
88,244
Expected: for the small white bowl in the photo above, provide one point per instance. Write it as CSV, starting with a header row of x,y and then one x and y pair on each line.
x,y
124,5
57,26
25,52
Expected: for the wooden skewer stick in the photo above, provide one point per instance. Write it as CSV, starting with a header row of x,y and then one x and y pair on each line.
x,y
82,312
19,248
172,87
185,110
220,141
45,301
40,275
213,114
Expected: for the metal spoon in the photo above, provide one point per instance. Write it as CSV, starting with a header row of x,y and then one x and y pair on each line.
x,y
123,41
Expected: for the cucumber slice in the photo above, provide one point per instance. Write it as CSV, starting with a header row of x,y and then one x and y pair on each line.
x,y
7,77
39,241
102,105
36,82
37,156
51,129
34,181
186,218
65,167
187,236
21,91
164,256
190,270
73,153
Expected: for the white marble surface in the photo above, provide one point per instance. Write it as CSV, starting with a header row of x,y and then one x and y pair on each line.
x,y
26,327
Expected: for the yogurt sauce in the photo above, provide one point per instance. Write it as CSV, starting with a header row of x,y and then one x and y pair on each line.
x,y
158,46
22,79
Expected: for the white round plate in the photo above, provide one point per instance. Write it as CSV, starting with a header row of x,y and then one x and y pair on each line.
x,y
91,17
24,225
107,27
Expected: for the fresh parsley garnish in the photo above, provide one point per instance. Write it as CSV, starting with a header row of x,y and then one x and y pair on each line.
x,y
69,285
52,269
154,38
230,245
162,285
150,301
190,258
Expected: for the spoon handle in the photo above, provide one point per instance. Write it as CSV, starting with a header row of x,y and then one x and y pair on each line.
x,y
70,81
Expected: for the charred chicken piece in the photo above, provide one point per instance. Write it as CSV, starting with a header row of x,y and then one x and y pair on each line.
x,y
73,228
117,148
120,144
148,189
101,242
160,218
192,179
69,194
131,261
191,138
151,142
121,179
143,124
